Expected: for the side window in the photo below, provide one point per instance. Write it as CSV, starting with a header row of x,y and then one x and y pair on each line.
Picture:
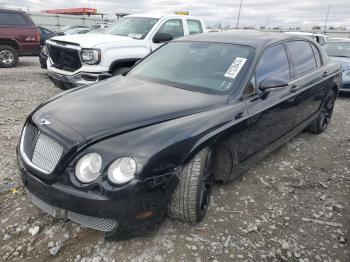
x,y
173,27
303,57
273,62
317,55
12,19
194,26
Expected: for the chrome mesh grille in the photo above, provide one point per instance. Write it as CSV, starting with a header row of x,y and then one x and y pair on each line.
x,y
101,224
97,223
40,150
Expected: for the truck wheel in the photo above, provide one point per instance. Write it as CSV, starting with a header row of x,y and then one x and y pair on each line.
x,y
190,199
119,71
321,123
8,56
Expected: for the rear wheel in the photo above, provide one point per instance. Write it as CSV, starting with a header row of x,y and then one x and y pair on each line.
x,y
190,199
321,123
8,56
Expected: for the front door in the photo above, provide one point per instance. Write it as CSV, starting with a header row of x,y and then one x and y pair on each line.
x,y
271,114
174,27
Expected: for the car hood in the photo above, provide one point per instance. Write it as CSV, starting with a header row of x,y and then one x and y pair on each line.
x,y
121,104
344,61
92,40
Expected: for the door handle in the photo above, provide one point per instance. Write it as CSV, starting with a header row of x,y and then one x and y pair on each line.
x,y
325,74
294,88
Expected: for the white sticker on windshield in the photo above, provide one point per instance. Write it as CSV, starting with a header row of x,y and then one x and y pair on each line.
x,y
235,67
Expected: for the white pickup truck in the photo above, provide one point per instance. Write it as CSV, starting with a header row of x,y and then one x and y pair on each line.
x,y
76,60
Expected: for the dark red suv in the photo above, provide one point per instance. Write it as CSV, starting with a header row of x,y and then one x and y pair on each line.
x,y
18,36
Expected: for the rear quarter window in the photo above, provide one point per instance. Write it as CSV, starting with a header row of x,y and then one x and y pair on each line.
x,y
303,57
13,19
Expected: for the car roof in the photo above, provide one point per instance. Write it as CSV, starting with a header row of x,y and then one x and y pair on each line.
x,y
12,11
151,15
338,39
253,39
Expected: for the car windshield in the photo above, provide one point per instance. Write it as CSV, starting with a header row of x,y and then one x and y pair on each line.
x,y
339,49
135,27
197,66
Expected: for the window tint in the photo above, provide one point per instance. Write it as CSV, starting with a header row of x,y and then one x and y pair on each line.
x,y
303,57
173,27
194,27
273,62
12,19
317,55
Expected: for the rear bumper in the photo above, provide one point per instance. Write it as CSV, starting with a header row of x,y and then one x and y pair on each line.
x,y
79,79
121,213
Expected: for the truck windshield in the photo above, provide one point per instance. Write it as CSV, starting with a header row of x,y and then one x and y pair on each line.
x,y
135,27
197,66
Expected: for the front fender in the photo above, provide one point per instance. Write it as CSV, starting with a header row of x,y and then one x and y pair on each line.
x,y
163,147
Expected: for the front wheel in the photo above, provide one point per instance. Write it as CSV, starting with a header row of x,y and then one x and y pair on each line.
x,y
321,123
190,199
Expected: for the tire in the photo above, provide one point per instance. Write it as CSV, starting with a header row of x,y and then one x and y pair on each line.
x,y
190,199
119,71
321,123
8,56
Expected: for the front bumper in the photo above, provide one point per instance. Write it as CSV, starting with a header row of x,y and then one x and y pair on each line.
x,y
43,60
79,79
130,211
345,88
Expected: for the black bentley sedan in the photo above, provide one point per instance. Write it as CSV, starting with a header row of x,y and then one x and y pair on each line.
x,y
121,155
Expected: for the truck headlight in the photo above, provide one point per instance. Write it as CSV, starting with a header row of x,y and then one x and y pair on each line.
x,y
122,170
91,56
88,168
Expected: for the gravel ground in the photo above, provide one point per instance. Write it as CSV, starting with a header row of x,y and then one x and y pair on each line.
x,y
292,206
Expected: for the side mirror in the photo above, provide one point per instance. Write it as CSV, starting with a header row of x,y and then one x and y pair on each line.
x,y
123,71
162,38
270,83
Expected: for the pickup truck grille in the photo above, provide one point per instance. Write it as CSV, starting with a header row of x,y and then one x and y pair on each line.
x,y
64,58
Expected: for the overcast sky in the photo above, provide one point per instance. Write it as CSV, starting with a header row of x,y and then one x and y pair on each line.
x,y
254,12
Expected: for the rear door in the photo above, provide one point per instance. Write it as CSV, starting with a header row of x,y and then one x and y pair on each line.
x,y
308,78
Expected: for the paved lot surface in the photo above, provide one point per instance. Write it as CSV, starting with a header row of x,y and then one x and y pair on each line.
x,y
292,206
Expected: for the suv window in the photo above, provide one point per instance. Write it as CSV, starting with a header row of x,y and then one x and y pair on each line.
x,y
303,57
194,26
317,55
12,19
273,62
173,27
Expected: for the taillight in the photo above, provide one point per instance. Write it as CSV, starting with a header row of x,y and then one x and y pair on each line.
x,y
37,36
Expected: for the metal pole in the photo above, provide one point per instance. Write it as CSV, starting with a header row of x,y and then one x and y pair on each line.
x,y
267,22
325,22
239,14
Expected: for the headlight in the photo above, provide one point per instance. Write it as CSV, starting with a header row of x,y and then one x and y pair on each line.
x,y
91,56
122,170
88,167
